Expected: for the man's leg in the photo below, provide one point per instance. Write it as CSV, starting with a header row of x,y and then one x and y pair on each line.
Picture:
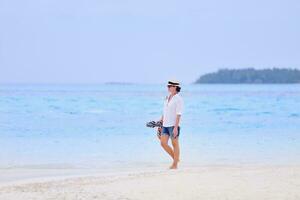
x,y
164,143
175,144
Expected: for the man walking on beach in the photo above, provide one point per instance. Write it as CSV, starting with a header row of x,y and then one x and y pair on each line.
x,y
172,112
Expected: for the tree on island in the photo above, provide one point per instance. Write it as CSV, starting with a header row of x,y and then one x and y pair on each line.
x,y
251,75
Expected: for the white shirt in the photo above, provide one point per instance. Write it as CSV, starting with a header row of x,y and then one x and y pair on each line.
x,y
171,109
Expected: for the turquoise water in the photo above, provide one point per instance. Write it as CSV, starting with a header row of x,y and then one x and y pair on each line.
x,y
104,125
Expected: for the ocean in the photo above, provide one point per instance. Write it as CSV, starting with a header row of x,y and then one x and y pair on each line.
x,y
104,125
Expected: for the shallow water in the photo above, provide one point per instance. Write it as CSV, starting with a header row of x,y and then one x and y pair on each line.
x,y
104,125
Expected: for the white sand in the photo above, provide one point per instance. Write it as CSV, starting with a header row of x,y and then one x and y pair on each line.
x,y
203,182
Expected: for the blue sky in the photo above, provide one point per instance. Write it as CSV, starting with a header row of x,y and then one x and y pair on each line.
x,y
95,41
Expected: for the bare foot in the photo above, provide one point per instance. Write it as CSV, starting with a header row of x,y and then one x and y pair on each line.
x,y
173,166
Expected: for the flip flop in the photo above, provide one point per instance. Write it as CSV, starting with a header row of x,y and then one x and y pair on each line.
x,y
153,124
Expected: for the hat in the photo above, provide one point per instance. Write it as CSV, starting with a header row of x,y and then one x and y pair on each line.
x,y
174,82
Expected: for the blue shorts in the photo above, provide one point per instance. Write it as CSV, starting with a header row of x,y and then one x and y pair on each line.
x,y
169,131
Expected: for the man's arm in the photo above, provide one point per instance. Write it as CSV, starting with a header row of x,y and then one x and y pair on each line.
x,y
162,118
177,121
179,107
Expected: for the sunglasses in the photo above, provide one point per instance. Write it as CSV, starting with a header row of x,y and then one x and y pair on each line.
x,y
171,86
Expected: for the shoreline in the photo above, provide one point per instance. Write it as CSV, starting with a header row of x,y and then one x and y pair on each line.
x,y
28,172
31,173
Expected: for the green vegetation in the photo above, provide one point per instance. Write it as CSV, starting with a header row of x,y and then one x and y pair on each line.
x,y
251,75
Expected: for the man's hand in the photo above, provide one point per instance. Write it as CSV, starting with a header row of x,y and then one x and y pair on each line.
x,y
159,129
175,131
159,132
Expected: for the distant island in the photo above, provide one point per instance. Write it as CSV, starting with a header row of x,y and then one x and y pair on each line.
x,y
252,76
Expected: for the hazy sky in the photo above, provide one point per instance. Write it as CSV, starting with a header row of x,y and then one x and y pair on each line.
x,y
94,41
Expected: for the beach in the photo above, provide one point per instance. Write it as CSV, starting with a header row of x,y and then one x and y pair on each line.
x,y
197,182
